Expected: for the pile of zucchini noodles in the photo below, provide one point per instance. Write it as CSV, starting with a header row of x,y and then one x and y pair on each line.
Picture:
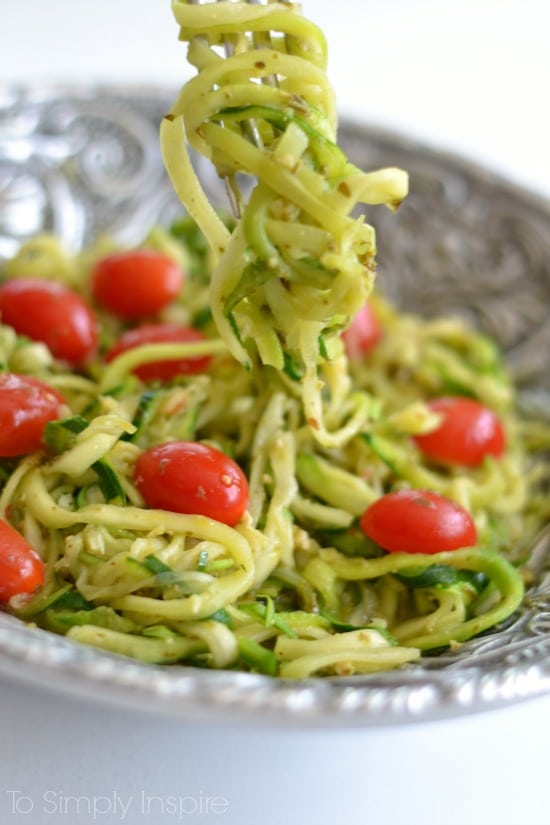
x,y
298,266
294,589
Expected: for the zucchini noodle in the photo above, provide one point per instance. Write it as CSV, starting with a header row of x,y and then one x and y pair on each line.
x,y
294,588
298,266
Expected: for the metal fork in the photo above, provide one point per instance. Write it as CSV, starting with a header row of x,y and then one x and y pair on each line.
x,y
261,40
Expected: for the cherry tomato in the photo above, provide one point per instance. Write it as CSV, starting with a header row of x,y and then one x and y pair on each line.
x,y
21,569
50,312
26,405
363,333
468,432
418,521
162,334
136,284
189,477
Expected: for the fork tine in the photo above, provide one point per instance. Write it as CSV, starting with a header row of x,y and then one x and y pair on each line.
x,y
261,40
250,126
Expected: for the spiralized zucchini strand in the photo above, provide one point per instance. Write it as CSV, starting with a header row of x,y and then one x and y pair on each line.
x,y
265,284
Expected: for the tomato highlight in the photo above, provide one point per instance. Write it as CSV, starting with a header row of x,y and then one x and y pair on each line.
x,y
468,432
418,521
137,283
26,406
192,478
363,333
52,313
21,568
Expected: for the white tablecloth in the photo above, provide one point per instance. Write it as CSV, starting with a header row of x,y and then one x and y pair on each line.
x,y
471,77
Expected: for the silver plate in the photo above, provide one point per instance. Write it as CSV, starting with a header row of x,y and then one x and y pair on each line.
x,y
83,161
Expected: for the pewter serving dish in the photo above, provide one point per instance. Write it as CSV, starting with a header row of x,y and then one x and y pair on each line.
x,y
84,161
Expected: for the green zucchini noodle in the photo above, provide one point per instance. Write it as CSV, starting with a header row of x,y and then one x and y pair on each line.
x,y
298,266
294,588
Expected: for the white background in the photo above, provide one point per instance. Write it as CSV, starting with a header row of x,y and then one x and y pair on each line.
x,y
472,77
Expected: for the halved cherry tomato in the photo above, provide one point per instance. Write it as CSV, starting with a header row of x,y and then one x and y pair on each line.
x,y
21,568
50,312
26,405
468,432
189,477
136,284
418,521
363,333
162,334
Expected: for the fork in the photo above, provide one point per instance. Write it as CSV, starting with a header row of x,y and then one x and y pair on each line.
x,y
261,40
